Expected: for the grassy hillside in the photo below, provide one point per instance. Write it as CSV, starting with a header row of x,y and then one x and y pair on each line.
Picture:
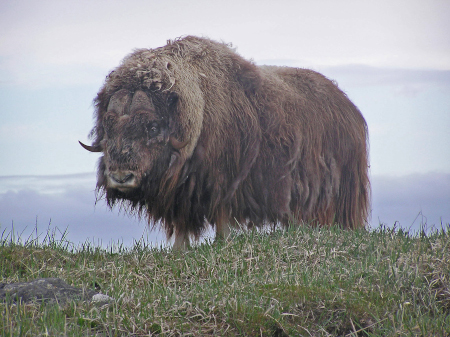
x,y
300,282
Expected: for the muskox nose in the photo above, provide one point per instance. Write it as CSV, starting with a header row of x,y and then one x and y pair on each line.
x,y
121,179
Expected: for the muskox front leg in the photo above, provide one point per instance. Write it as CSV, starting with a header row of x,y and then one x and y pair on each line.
x,y
223,230
181,241
222,223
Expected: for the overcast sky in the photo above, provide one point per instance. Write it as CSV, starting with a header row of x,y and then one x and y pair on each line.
x,y
392,58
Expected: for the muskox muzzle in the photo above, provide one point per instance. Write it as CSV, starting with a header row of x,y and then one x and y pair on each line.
x,y
121,180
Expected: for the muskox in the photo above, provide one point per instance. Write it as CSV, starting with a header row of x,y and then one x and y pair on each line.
x,y
193,135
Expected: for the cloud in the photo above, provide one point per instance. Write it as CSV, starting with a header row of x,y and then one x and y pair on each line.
x,y
49,41
411,200
49,184
407,80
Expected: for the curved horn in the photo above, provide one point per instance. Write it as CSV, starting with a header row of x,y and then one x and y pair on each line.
x,y
97,148
176,144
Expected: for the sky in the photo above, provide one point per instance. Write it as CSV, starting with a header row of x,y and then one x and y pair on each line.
x,y
392,58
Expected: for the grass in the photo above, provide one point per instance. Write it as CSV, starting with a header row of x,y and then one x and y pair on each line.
x,y
300,282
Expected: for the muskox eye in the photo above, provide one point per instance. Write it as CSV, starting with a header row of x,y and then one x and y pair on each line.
x,y
172,99
153,129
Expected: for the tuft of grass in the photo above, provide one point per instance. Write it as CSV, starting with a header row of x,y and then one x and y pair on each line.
x,y
303,281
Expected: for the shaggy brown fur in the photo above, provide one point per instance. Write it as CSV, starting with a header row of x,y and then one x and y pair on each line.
x,y
193,134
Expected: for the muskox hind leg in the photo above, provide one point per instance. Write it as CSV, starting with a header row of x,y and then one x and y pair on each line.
x,y
222,223
181,241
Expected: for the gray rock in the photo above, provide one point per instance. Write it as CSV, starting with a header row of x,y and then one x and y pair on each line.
x,y
49,290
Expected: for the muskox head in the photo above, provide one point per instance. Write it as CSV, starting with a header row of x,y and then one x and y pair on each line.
x,y
138,144
149,117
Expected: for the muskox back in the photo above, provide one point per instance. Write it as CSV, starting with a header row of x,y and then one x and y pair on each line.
x,y
193,134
